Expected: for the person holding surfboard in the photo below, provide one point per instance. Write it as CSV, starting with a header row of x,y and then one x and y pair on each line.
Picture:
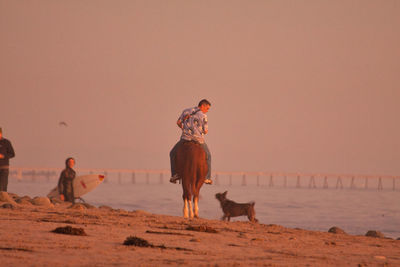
x,y
194,125
81,184
65,183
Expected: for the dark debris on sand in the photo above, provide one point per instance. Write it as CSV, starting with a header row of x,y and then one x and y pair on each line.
x,y
202,228
7,206
137,241
140,242
16,249
167,233
68,230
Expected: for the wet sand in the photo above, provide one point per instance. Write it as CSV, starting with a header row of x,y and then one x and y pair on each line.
x,y
26,239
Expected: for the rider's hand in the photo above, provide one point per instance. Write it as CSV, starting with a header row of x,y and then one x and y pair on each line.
x,y
179,123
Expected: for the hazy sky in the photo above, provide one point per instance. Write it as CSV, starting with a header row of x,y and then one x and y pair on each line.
x,y
308,86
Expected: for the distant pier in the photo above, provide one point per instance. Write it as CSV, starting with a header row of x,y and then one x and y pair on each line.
x,y
262,179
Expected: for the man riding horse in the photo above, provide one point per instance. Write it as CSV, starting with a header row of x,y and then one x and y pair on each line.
x,y
193,122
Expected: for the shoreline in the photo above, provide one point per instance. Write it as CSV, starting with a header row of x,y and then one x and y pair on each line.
x,y
355,211
27,238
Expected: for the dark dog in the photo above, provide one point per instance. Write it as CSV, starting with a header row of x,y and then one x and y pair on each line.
x,y
233,209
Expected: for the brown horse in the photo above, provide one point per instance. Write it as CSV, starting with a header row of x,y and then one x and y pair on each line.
x,y
192,167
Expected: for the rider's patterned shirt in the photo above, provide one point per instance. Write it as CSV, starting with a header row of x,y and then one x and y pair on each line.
x,y
194,123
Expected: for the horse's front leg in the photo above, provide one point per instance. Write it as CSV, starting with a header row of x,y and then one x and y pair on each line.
x,y
196,207
185,208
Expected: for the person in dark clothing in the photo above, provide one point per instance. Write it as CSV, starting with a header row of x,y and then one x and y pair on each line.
x,y
6,153
67,176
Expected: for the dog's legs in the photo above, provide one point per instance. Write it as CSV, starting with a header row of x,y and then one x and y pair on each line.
x,y
196,207
185,208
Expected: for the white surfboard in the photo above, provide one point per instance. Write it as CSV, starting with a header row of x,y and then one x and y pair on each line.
x,y
82,184
86,183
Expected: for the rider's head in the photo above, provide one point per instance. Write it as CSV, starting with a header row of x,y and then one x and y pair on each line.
x,y
204,105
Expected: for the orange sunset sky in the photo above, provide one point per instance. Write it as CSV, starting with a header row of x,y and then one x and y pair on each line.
x,y
307,86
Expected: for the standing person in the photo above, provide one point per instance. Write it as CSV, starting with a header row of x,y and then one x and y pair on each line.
x,y
194,125
6,153
67,176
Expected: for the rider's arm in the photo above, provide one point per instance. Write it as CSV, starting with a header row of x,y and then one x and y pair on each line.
x,y
205,125
179,123
184,116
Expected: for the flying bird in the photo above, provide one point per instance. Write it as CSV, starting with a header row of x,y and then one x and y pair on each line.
x,y
63,123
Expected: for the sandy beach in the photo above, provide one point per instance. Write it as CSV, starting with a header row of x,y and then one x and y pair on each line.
x,y
27,239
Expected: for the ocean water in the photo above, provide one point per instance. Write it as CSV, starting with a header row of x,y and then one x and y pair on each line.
x,y
354,210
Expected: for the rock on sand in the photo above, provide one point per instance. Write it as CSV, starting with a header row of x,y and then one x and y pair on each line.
x,y
26,200
4,197
374,233
336,230
42,201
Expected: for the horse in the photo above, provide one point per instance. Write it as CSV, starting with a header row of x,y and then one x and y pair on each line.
x,y
191,166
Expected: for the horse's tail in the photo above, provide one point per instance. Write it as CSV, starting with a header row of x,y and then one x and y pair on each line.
x,y
187,172
195,171
192,184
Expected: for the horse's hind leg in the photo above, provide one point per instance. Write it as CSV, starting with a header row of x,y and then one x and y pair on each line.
x,y
196,207
190,209
185,208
